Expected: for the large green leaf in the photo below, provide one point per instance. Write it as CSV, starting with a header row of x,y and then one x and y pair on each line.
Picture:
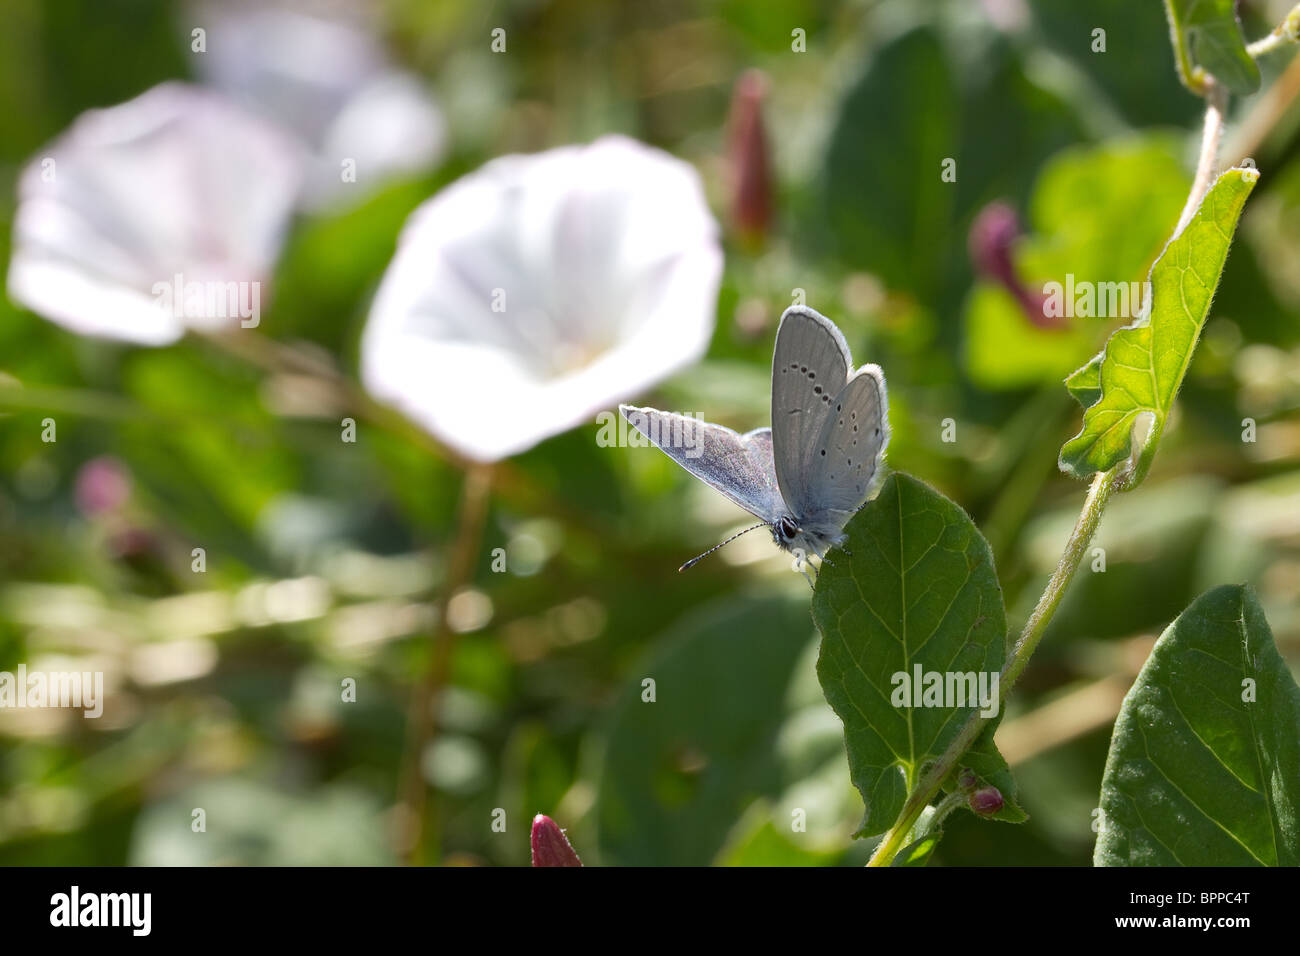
x,y
1206,36
679,772
1131,33
913,587
905,96
1143,364
932,103
1204,765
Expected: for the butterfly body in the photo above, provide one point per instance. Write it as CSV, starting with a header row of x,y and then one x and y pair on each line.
x,y
806,475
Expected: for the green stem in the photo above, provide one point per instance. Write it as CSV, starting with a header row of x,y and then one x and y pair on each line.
x,y
1286,32
417,820
941,812
1216,105
1103,486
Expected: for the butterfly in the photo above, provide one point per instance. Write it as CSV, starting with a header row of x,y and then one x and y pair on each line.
x,y
816,466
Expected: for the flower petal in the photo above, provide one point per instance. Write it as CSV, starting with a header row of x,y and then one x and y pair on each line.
x,y
330,83
176,182
531,294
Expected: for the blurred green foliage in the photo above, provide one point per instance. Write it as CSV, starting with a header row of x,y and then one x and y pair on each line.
x,y
324,558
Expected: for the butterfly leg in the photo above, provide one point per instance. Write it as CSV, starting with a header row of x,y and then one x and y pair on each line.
x,y
801,564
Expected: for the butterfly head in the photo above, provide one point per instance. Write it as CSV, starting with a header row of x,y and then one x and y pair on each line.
x,y
784,531
818,537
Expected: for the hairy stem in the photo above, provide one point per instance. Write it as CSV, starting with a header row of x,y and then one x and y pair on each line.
x,y
417,814
1286,32
1103,486
1216,104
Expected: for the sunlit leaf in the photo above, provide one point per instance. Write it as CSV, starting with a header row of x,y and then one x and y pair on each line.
x,y
1143,364
1085,383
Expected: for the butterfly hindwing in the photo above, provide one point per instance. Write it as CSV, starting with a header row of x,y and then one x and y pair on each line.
x,y
851,445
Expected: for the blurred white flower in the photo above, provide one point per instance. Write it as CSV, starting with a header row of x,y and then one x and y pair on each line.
x,y
177,189
357,119
540,289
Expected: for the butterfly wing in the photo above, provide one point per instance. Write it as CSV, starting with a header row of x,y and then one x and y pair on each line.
x,y
849,450
810,366
739,466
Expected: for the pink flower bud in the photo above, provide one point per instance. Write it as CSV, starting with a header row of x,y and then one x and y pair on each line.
x,y
986,801
749,159
103,485
550,846
993,234
966,780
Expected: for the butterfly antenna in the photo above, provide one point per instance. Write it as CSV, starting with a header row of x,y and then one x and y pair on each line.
x,y
699,557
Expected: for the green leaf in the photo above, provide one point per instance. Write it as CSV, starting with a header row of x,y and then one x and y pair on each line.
x,y
678,772
937,104
1207,38
1102,212
1204,765
1143,364
1085,383
907,95
758,842
918,853
1142,98
913,588
1005,350
1098,214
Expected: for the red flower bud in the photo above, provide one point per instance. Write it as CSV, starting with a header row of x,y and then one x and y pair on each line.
x,y
550,846
986,801
749,159
993,234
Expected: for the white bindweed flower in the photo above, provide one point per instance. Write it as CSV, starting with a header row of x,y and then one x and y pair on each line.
x,y
357,119
143,219
540,289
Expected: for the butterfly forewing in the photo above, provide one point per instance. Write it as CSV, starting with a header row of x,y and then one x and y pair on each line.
x,y
851,444
809,368
739,466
